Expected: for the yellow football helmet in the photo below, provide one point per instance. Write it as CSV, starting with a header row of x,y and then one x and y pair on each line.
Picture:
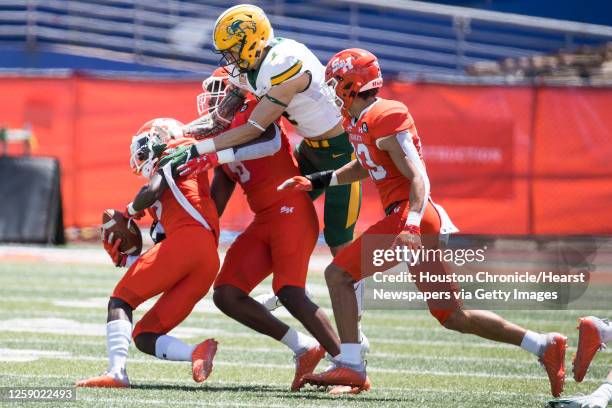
x,y
241,34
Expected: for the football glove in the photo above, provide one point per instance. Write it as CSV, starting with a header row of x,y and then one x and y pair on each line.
x,y
299,183
112,248
179,156
199,164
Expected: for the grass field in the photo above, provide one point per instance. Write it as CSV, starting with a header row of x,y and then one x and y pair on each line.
x,y
52,317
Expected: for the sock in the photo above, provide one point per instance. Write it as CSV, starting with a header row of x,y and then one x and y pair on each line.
x,y
118,337
297,341
173,349
604,391
534,343
350,353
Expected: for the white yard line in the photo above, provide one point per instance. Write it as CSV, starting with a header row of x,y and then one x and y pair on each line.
x,y
222,363
97,256
523,361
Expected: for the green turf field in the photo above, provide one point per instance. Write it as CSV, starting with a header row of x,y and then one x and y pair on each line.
x,y
52,319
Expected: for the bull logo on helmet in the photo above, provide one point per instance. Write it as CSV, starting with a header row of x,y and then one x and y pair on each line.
x,y
342,64
239,28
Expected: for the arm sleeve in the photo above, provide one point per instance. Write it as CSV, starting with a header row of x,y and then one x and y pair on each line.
x,y
404,138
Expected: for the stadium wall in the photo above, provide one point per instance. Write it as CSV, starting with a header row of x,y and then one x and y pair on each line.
x,y
503,160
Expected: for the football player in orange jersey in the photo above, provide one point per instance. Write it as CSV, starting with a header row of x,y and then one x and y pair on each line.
x,y
388,150
269,244
190,224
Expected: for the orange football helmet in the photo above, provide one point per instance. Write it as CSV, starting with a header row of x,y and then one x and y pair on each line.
x,y
350,72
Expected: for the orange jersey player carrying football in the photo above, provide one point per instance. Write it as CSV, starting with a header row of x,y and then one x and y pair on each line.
x,y
279,240
182,267
388,150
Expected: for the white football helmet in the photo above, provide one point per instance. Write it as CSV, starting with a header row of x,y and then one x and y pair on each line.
x,y
149,143
214,91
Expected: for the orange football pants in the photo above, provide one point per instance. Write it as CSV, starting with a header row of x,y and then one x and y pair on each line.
x,y
382,235
182,267
280,241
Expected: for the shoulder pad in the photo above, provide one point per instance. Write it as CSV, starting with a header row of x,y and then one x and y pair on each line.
x,y
388,118
282,63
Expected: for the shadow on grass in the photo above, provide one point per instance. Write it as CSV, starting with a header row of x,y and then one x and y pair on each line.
x,y
268,391
210,388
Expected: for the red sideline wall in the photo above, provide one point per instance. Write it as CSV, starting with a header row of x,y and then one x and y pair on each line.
x,y
501,159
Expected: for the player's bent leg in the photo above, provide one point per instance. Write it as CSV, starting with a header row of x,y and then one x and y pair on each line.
x,y
344,302
118,336
173,307
238,305
311,316
549,348
316,322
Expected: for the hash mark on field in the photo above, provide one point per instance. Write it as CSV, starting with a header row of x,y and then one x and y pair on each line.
x,y
19,355
291,367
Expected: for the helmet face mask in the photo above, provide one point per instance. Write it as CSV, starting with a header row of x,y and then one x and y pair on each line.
x,y
214,87
331,85
142,159
241,34
150,142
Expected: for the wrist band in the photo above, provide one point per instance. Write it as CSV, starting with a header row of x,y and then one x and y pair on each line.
x,y
334,180
257,125
414,218
321,179
205,146
225,156
130,209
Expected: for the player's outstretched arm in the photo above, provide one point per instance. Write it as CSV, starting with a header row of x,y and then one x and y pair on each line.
x,y
271,106
221,189
347,174
150,192
220,119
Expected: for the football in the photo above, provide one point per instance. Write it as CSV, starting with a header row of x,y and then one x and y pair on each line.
x,y
113,222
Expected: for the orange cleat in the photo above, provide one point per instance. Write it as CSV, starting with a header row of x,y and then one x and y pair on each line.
x,y
105,380
202,359
305,363
553,361
339,375
347,389
589,342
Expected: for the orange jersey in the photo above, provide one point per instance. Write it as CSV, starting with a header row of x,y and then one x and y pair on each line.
x,y
196,190
382,118
260,177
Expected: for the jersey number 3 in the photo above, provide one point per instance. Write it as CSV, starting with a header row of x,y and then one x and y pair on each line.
x,y
376,172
